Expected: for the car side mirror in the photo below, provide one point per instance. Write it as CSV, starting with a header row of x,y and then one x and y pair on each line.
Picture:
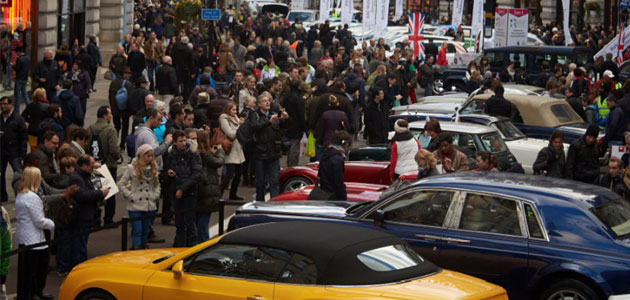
x,y
379,218
178,269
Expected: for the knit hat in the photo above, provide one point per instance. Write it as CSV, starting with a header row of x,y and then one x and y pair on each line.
x,y
401,126
143,149
593,130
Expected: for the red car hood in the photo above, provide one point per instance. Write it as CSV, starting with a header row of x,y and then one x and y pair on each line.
x,y
356,192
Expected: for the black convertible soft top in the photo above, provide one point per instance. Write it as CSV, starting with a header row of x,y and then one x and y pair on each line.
x,y
333,247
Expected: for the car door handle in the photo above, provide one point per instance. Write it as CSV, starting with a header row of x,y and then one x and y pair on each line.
x,y
255,298
429,237
454,240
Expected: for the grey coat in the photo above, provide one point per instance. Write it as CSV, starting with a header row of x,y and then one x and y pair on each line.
x,y
210,190
141,194
229,127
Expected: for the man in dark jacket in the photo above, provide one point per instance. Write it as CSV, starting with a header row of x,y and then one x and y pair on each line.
x,y
583,157
88,197
137,96
266,128
48,75
72,113
376,113
614,176
120,117
13,139
95,53
431,49
575,101
295,109
136,61
339,91
497,105
183,64
185,173
428,75
616,123
331,166
176,119
551,160
166,80
46,155
22,69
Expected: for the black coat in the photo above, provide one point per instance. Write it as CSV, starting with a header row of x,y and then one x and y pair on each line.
x,y
267,136
166,80
14,140
201,115
187,165
136,63
330,173
135,101
295,109
88,197
604,180
551,161
376,125
113,89
616,125
48,69
182,58
582,161
34,113
22,65
498,106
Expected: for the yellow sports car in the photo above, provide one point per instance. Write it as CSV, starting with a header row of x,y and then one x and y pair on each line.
x,y
281,261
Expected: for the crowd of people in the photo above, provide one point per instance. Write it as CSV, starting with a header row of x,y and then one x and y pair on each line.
x,y
202,110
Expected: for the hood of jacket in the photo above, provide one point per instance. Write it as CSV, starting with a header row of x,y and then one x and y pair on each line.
x,y
66,95
332,151
142,128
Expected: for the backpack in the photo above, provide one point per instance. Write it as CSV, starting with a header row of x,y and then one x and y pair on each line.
x,y
122,97
131,146
245,133
64,212
97,148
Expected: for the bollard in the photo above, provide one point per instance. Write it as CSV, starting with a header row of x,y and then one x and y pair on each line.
x,y
221,215
123,234
22,281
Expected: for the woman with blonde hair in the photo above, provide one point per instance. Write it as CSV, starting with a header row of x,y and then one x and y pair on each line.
x,y
141,187
427,164
226,63
248,90
33,114
30,225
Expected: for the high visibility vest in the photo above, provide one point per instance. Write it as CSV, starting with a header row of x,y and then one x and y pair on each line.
x,y
293,48
602,110
618,86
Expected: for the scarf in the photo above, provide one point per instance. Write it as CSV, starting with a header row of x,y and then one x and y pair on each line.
x,y
75,75
339,149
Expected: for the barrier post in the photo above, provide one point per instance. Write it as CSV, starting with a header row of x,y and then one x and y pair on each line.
x,y
124,233
221,215
22,282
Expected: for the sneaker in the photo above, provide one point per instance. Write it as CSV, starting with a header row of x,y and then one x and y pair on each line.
x,y
235,197
156,240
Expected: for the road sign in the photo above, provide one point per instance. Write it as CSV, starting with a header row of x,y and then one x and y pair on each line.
x,y
624,4
210,14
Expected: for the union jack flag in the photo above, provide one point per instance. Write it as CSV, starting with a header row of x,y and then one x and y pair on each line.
x,y
416,22
620,44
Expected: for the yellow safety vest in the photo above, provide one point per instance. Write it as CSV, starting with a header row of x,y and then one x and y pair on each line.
x,y
602,109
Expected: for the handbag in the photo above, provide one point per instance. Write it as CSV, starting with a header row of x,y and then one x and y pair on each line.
x,y
219,138
318,194
310,145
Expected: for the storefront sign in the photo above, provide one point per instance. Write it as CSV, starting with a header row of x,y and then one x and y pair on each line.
x,y
500,27
517,27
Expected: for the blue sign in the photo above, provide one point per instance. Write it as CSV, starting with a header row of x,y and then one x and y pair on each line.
x,y
210,14
624,4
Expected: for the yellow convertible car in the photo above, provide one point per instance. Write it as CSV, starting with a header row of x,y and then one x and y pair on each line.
x,y
280,261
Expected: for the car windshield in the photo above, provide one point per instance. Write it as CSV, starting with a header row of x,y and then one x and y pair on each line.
x,y
396,186
390,258
304,16
565,113
508,130
493,143
615,215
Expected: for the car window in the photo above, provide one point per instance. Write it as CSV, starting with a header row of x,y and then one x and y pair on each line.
x,y
464,142
615,215
390,258
508,130
475,106
535,230
299,270
419,207
490,214
450,48
581,58
564,113
518,57
493,143
495,59
238,261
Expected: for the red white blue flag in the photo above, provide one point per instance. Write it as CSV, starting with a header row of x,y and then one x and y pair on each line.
x,y
416,22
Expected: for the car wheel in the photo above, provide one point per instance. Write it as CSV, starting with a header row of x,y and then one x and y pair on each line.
x,y
95,295
454,87
296,183
569,289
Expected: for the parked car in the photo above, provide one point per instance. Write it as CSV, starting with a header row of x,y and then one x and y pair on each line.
x,y
289,260
306,16
538,237
530,57
294,178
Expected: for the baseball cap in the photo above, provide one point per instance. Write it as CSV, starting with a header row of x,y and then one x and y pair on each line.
x,y
609,73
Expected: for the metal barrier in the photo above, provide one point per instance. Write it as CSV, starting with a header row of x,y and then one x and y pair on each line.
x,y
22,282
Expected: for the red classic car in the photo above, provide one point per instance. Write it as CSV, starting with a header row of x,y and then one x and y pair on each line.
x,y
356,191
375,172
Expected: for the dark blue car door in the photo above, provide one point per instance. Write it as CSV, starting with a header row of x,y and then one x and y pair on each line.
x,y
488,240
418,217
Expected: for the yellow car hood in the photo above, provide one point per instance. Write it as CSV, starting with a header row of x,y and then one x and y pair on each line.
x,y
137,258
443,285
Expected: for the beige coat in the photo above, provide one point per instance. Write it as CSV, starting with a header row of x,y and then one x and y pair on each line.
x,y
141,194
229,126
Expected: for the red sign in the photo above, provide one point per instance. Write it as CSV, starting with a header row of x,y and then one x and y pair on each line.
x,y
6,3
518,12
501,11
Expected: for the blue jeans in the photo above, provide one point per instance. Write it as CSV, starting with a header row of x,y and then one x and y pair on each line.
x,y
428,91
9,71
20,90
266,173
151,70
16,165
185,221
82,240
140,228
67,250
203,224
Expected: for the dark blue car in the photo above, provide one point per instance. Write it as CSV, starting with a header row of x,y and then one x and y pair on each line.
x,y
539,238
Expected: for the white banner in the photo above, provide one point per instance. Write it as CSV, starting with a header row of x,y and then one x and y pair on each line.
x,y
477,18
500,27
324,10
458,10
107,181
297,4
517,28
369,13
399,9
346,12
566,11
611,47
382,13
